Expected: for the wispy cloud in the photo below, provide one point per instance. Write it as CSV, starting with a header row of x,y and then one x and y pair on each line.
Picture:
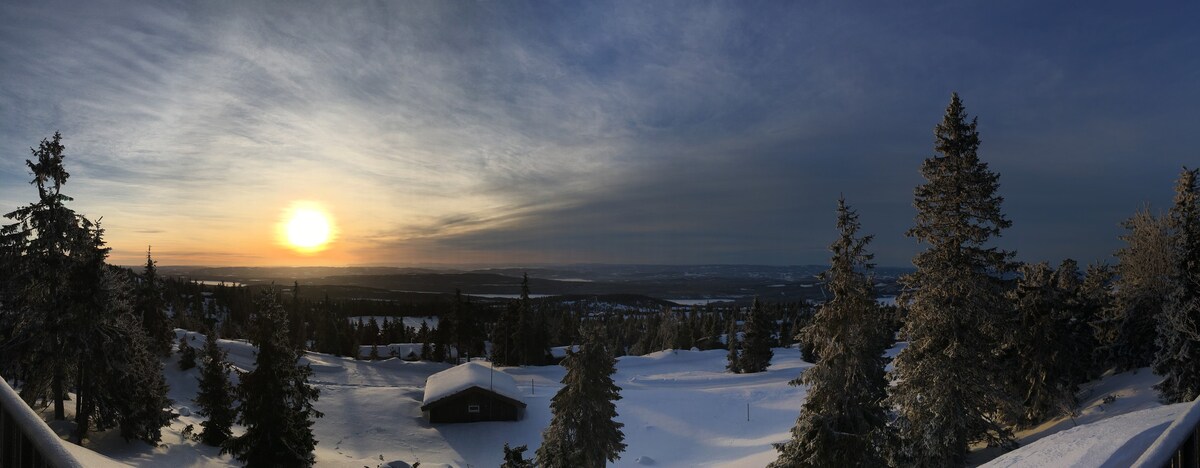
x,y
621,131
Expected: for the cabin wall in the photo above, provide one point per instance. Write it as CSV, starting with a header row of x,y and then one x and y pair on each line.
x,y
456,409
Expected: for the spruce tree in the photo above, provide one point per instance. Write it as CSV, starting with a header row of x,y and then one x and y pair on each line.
x,y
732,358
843,421
1095,297
1143,281
276,398
1178,358
1077,321
1042,346
756,346
583,432
948,388
187,354
118,379
45,242
215,396
150,308
515,457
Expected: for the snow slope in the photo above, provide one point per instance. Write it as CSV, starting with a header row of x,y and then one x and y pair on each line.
x,y
1119,429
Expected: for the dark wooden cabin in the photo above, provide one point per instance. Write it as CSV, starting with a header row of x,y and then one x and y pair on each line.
x,y
471,392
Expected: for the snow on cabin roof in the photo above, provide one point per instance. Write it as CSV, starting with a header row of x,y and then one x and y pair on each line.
x,y
462,377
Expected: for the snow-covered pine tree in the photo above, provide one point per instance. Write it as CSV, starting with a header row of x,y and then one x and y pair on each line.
x,y
843,421
1042,346
150,308
40,321
276,398
215,396
1079,315
118,380
1126,329
583,431
187,354
1178,358
948,390
756,344
732,358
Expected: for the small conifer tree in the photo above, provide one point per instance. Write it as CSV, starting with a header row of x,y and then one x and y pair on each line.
x,y
515,457
215,397
276,398
187,354
756,346
732,358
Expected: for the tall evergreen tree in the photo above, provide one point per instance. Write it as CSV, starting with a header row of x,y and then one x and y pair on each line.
x,y
756,346
1178,358
583,432
215,397
67,319
948,390
843,421
1143,279
277,400
46,241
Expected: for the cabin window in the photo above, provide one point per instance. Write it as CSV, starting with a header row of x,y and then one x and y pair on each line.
x,y
472,408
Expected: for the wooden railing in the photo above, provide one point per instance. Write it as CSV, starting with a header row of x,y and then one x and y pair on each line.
x,y
1179,445
26,440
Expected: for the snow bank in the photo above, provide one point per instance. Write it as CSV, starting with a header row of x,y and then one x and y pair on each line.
x,y
1116,441
472,374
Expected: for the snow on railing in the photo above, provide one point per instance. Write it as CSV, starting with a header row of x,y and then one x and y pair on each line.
x,y
26,440
1179,445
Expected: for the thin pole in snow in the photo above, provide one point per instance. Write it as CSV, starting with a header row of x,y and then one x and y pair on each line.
x,y
532,388
747,411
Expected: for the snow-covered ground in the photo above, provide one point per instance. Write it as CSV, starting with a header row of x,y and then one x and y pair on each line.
x,y
679,408
1111,434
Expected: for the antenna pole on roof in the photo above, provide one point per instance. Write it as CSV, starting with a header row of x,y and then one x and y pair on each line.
x,y
491,376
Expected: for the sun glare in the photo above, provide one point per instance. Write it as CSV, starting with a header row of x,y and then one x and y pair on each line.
x,y
306,228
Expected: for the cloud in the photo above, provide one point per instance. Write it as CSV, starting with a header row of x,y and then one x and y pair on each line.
x,y
656,132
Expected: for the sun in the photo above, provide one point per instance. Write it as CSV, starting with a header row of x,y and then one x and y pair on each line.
x,y
306,228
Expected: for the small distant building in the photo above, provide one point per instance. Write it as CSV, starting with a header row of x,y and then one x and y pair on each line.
x,y
471,392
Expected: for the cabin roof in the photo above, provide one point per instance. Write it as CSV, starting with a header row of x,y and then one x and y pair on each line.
x,y
463,377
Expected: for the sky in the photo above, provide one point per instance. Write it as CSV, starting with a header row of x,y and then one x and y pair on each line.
x,y
658,132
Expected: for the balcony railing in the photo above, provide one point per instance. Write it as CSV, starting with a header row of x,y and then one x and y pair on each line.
x,y
1178,446
26,440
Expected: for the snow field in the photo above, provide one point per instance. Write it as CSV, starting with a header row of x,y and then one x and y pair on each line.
x,y
679,408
